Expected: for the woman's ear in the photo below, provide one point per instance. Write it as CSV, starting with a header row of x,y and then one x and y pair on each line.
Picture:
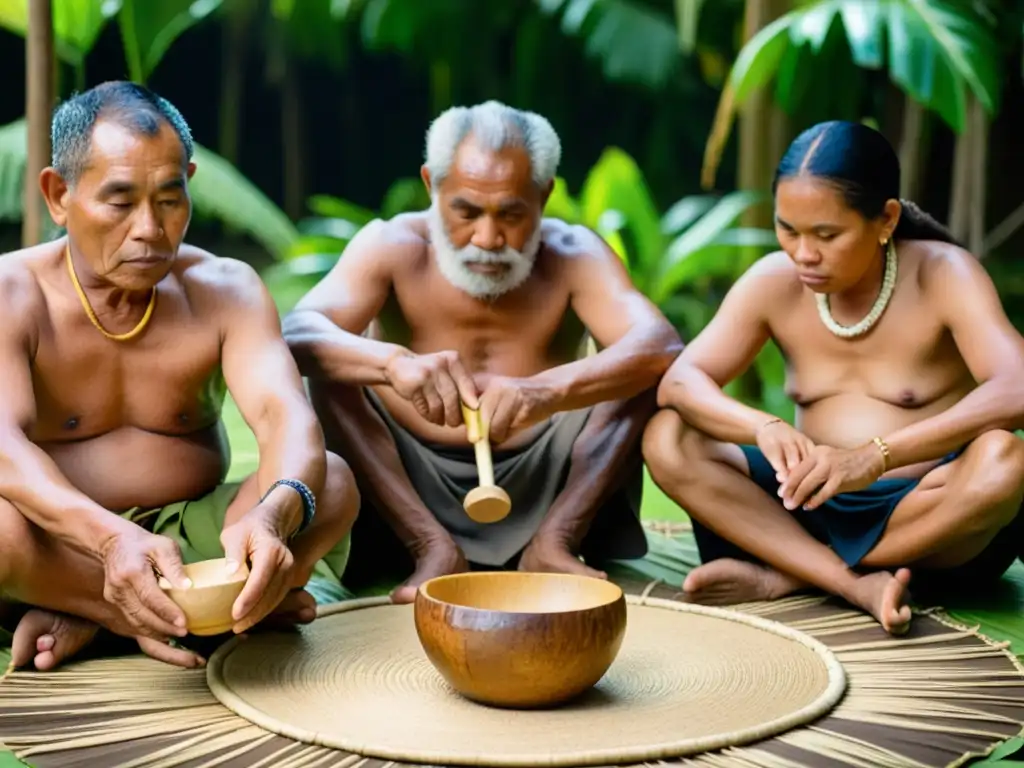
x,y
890,219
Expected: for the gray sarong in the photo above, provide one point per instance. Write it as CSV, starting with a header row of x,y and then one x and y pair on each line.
x,y
533,476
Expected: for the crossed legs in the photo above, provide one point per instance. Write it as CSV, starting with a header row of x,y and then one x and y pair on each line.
x,y
950,518
65,587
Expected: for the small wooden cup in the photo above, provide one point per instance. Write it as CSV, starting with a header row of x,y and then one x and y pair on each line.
x,y
520,640
208,602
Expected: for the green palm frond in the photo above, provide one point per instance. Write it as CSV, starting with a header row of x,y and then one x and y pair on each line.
x,y
634,42
938,53
219,191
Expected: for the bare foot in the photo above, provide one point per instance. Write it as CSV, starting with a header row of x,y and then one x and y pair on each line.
x,y
728,581
437,560
47,638
885,597
298,607
551,557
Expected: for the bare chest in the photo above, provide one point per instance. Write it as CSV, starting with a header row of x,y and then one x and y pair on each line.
x,y
909,358
513,334
167,380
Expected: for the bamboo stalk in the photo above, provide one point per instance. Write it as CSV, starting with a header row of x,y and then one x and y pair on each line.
x,y
39,69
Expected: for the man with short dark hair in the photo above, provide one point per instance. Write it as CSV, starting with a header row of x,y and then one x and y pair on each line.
x,y
116,344
482,301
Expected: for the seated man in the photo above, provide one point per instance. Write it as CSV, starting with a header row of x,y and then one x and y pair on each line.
x,y
106,481
906,376
480,300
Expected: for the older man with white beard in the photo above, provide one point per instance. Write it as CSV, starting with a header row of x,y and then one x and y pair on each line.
x,y
481,300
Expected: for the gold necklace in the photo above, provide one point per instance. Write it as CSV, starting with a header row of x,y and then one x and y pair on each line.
x,y
92,315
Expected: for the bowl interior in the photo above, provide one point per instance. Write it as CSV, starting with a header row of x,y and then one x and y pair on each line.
x,y
211,574
515,592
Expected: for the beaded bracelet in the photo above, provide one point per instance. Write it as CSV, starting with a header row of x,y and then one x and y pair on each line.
x,y
308,502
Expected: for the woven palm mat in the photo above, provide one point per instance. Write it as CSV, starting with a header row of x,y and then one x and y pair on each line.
x,y
937,696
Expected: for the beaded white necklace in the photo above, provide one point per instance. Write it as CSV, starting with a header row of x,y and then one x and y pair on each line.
x,y
872,317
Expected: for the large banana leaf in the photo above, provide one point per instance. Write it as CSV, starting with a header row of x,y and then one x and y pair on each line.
x,y
939,52
218,191
634,42
76,24
148,27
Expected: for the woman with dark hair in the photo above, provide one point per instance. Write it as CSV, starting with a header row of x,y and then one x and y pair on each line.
x,y
907,378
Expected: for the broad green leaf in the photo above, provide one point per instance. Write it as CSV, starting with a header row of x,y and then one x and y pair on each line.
x,y
561,205
965,41
759,59
313,32
633,41
668,560
617,183
1006,749
699,249
915,67
864,27
76,24
219,190
686,211
13,156
148,28
688,23
335,207
404,195
812,26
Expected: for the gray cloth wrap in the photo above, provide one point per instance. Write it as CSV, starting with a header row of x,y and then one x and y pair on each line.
x,y
532,476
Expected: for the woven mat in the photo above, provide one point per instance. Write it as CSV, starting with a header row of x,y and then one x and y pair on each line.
x,y
934,697
687,679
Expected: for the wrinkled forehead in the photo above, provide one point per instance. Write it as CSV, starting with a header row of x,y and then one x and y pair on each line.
x,y
490,177
121,151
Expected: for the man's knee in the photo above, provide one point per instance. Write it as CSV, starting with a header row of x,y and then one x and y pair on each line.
x,y
671,448
996,480
340,499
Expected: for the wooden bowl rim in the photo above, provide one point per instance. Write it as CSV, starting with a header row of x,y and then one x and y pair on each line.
x,y
235,582
422,592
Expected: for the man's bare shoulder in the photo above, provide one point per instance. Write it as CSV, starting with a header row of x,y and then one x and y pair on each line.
x,y
21,294
401,241
772,277
568,242
209,278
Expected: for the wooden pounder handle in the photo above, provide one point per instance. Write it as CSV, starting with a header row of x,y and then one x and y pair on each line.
x,y
481,445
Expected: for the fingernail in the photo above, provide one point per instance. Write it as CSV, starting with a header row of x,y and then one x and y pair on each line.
x,y
231,565
187,583
179,622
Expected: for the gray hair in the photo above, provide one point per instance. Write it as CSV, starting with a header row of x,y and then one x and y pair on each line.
x,y
494,126
128,104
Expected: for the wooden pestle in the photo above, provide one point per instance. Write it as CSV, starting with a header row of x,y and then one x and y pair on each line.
x,y
487,503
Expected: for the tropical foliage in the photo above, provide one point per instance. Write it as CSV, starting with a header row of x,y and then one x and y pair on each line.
x,y
148,29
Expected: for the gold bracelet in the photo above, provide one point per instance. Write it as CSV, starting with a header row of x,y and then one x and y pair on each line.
x,y
884,448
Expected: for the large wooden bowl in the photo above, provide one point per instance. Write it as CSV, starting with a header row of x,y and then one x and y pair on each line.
x,y
520,640
208,602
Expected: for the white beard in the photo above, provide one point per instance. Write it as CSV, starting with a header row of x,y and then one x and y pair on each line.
x,y
452,261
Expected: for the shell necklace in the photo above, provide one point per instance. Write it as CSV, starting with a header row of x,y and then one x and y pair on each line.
x,y
872,317
92,315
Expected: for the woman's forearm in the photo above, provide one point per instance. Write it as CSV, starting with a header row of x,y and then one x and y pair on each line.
x,y
706,407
